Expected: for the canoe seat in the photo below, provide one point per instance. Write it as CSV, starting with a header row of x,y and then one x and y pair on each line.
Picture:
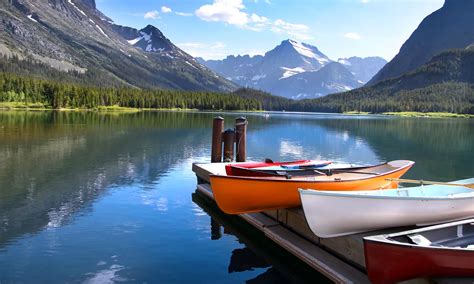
x,y
419,240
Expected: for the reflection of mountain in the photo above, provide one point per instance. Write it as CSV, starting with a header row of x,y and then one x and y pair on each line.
x,y
53,167
259,252
441,148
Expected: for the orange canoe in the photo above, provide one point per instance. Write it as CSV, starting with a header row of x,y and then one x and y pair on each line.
x,y
236,194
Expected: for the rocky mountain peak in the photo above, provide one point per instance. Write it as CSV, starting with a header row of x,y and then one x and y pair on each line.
x,y
292,54
449,27
74,35
151,39
150,29
463,4
88,3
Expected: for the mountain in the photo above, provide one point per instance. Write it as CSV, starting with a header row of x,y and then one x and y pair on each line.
x,y
296,70
444,83
363,68
449,27
72,35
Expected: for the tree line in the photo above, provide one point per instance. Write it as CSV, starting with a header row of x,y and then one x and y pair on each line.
x,y
14,88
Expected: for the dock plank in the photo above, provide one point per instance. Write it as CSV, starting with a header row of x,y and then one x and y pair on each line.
x,y
328,265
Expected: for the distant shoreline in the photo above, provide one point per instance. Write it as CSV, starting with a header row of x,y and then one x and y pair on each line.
x,y
20,106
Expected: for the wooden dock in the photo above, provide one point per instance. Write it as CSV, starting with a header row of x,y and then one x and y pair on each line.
x,y
339,259
289,230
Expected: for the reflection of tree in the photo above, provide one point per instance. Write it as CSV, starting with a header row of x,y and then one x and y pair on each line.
x,y
55,164
259,251
442,148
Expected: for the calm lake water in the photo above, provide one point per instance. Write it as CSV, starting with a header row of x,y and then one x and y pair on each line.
x,y
102,198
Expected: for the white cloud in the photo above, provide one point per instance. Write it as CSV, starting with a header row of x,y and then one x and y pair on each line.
x,y
257,19
165,9
232,12
354,36
215,50
152,15
365,1
227,11
298,31
183,14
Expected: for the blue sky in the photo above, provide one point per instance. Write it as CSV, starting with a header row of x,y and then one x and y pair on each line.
x,y
214,29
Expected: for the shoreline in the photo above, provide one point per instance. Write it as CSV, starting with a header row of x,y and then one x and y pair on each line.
x,y
18,106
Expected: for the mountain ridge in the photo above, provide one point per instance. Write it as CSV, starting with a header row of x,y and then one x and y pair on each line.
x,y
74,35
294,70
448,27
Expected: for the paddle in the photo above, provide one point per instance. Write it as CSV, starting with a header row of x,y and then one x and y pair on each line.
x,y
469,185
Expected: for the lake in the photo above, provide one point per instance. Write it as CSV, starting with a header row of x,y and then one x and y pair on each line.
x,y
102,198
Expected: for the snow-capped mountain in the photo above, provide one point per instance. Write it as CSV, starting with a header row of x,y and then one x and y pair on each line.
x,y
296,70
149,39
72,35
363,68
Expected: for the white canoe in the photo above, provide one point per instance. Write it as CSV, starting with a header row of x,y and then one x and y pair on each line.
x,y
337,213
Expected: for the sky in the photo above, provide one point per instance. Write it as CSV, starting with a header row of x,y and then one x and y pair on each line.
x,y
213,29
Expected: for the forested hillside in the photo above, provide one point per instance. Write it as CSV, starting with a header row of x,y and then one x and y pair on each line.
x,y
445,83
14,88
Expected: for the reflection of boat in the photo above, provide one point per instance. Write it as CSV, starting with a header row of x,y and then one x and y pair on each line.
x,y
235,194
270,168
282,266
445,250
371,210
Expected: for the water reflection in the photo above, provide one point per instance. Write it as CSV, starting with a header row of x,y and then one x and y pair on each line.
x,y
49,172
120,184
258,253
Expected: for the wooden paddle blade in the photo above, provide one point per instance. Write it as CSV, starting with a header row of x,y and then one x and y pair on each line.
x,y
469,185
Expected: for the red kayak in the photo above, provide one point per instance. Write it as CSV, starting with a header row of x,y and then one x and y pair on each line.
x,y
270,168
445,250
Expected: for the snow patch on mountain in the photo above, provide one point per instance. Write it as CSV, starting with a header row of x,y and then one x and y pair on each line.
x,y
145,36
74,5
134,41
291,71
344,62
31,18
101,31
307,51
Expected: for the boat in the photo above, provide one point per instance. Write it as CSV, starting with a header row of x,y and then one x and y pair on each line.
x,y
270,168
242,194
445,250
333,214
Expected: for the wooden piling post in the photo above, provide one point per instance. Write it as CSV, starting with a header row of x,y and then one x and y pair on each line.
x,y
229,139
240,139
216,151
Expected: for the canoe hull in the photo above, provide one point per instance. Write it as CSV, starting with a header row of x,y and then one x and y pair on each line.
x,y
390,263
236,195
367,214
